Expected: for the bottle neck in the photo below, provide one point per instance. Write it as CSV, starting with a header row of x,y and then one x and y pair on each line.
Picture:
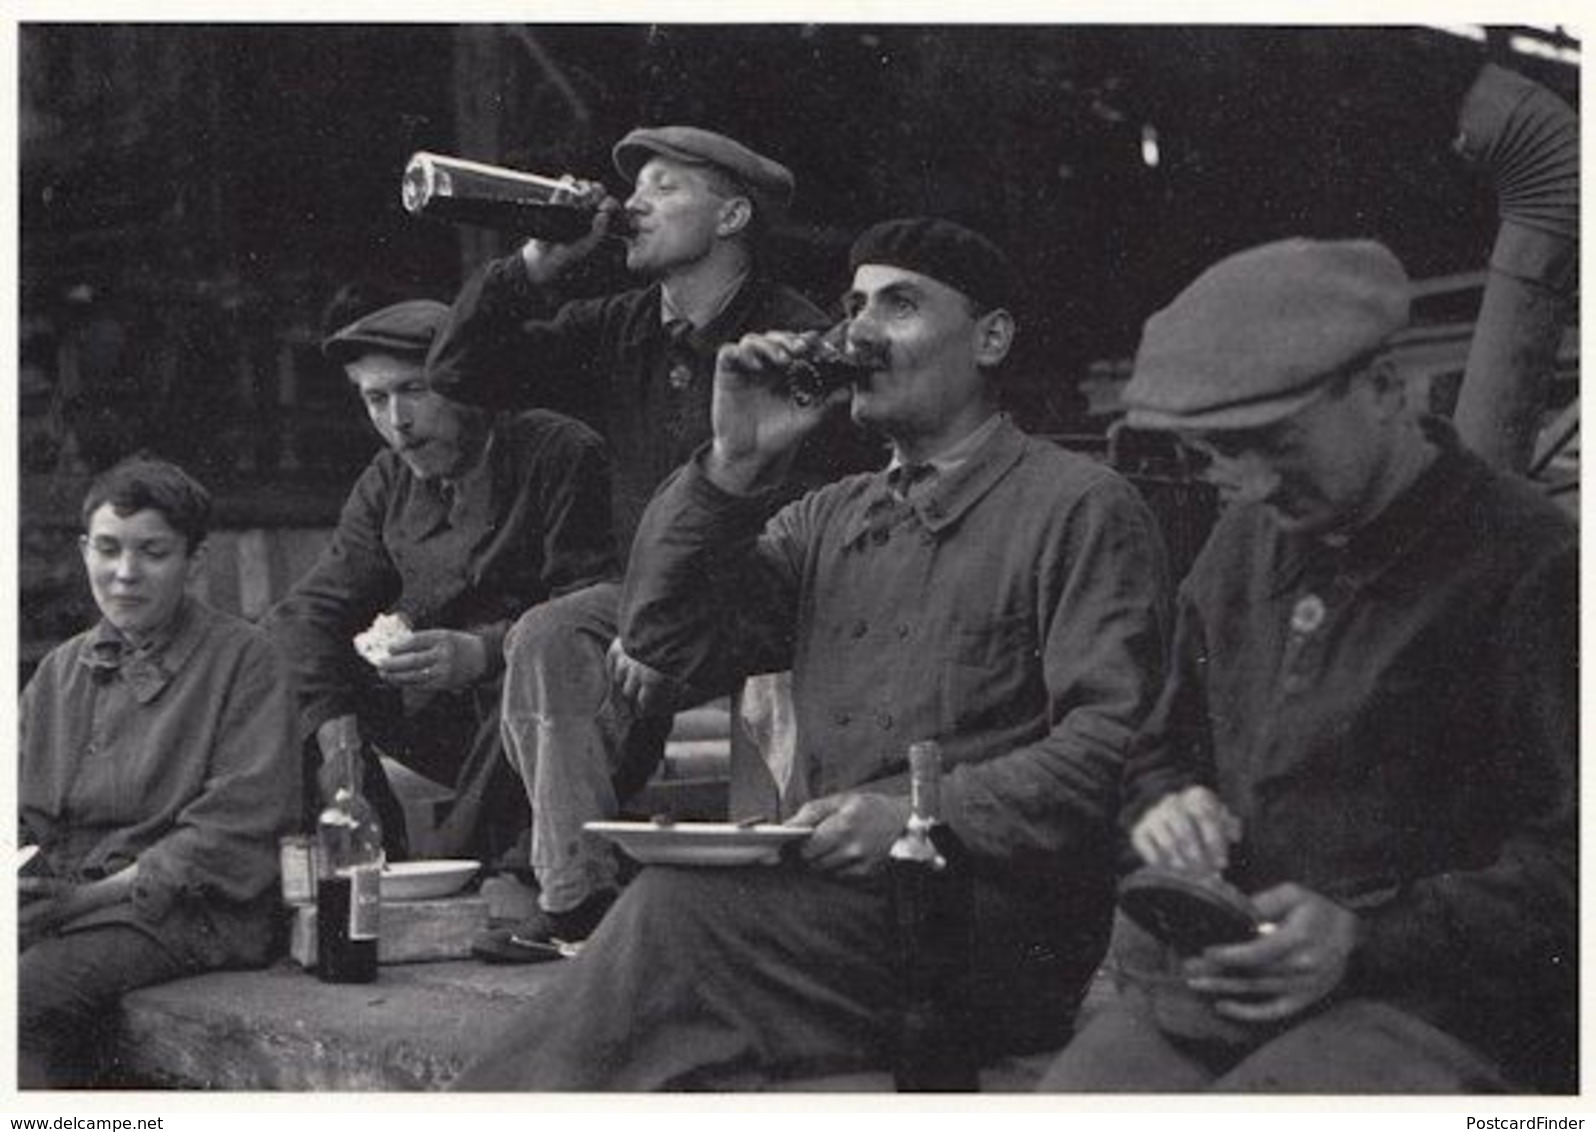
x,y
925,782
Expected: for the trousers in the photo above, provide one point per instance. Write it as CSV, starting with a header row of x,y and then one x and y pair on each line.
x,y
1353,1046
578,748
453,739
67,990
712,978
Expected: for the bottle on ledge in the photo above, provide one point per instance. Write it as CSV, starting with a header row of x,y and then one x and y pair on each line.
x,y
349,860
931,900
490,196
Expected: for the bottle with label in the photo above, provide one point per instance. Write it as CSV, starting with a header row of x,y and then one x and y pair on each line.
x,y
932,902
490,196
349,860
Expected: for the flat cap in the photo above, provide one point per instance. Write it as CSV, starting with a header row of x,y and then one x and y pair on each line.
x,y
769,183
1250,341
947,252
405,330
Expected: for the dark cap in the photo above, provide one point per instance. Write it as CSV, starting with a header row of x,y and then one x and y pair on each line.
x,y
769,184
1253,339
404,330
947,252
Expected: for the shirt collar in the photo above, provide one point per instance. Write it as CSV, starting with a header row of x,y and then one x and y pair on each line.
x,y
993,449
727,323
472,489
1371,550
150,667
950,458
708,311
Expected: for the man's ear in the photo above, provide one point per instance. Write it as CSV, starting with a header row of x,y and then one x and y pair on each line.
x,y
994,336
736,213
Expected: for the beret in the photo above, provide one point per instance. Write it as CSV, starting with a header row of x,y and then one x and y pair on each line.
x,y
769,183
947,252
405,330
1250,341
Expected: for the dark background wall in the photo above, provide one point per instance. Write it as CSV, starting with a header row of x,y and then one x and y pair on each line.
x,y
191,195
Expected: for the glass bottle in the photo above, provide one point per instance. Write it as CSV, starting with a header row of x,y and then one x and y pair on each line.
x,y
490,196
931,903
349,860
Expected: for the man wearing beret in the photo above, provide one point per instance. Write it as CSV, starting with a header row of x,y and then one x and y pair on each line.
x,y
464,521
638,366
989,591
1370,725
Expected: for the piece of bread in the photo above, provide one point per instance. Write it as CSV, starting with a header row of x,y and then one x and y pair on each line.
x,y
386,631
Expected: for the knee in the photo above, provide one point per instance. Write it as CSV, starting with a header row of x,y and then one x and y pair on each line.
x,y
535,633
552,629
690,906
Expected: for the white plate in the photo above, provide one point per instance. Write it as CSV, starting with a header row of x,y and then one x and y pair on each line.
x,y
699,843
425,880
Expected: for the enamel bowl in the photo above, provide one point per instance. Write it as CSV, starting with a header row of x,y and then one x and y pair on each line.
x,y
426,880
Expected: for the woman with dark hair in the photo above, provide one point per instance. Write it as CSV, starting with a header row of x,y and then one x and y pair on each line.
x,y
156,774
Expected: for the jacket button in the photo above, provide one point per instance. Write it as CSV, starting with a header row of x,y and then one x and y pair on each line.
x,y
859,629
841,718
885,719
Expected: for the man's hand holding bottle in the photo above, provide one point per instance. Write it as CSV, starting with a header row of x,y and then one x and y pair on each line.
x,y
545,261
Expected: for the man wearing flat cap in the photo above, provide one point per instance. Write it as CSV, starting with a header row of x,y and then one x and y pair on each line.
x,y
1370,725
464,521
638,366
988,590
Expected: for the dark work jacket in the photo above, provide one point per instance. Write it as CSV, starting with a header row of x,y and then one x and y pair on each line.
x,y
609,362
1016,612
1414,755
533,524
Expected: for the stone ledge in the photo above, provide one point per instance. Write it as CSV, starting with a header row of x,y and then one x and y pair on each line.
x,y
281,1029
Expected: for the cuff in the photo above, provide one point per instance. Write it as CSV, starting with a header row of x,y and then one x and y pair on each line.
x,y
754,505
492,638
1387,936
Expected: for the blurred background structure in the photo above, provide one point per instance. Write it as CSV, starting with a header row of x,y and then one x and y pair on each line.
x,y
192,196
